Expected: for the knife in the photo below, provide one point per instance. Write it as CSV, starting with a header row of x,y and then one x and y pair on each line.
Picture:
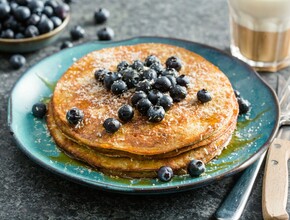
x,y
235,202
275,183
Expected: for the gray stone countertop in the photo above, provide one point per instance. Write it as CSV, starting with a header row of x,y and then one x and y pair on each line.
x,y
28,191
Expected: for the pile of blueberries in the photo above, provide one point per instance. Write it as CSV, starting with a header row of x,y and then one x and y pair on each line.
x,y
156,88
30,18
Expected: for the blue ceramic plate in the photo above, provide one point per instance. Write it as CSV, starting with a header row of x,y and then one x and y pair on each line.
x,y
251,139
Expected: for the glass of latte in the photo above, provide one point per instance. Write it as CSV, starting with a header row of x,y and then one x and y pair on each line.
x,y
260,33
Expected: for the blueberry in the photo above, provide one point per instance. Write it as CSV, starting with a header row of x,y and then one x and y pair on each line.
x,y
170,71
31,31
22,2
166,102
154,96
143,105
101,15
172,79
149,74
56,21
66,44
182,80
178,93
100,74
33,20
174,62
9,34
237,93
144,86
137,96
35,5
119,87
45,25
17,61
162,84
69,1
62,11
39,110
111,125
51,3
150,60
19,36
110,78
77,32
74,116
131,77
122,65
12,24
244,105
105,33
4,10
157,67
48,11
125,113
165,174
203,96
13,6
22,13
155,113
195,168
137,65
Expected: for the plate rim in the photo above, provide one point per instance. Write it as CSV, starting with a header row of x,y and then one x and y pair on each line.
x,y
152,190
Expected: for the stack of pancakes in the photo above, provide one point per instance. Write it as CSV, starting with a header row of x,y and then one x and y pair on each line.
x,y
190,129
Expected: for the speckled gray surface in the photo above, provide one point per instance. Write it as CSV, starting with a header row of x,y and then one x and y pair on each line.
x,y
28,191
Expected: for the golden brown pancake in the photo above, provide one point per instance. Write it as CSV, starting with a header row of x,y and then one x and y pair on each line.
x,y
185,124
131,167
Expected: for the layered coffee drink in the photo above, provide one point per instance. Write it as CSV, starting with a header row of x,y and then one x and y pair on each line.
x,y
260,32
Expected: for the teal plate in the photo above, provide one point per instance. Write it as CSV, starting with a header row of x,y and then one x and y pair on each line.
x,y
255,130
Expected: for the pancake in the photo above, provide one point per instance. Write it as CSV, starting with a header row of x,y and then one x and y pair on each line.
x,y
186,124
129,167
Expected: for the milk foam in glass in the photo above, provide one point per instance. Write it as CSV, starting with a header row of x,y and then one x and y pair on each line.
x,y
260,32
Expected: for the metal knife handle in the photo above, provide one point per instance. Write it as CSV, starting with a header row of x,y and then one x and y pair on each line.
x,y
275,185
234,204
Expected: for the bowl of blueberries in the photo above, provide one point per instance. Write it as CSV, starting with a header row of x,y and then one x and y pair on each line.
x,y
29,25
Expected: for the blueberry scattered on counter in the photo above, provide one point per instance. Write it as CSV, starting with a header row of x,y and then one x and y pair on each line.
x,y
74,116
126,113
195,168
203,96
155,113
77,32
66,44
17,61
111,125
105,33
244,105
16,17
165,173
101,15
39,110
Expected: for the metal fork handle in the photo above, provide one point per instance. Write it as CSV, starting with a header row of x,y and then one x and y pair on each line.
x,y
234,204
